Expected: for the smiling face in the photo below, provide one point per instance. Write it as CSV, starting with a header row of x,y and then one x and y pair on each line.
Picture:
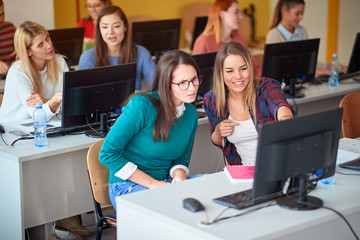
x,y
112,30
180,74
94,7
235,73
231,17
41,50
291,17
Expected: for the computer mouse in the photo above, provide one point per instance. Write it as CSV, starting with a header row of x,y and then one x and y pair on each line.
x,y
193,205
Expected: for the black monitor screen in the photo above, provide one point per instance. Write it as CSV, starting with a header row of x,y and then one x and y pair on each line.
x,y
200,24
291,62
89,92
68,42
354,63
205,63
296,148
157,36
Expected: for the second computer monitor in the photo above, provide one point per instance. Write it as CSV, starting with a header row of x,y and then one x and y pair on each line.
x,y
205,62
157,36
354,63
68,42
90,92
291,62
200,24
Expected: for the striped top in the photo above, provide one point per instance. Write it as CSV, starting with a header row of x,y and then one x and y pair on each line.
x,y
7,32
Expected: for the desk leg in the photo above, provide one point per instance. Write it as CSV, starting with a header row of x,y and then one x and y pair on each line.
x,y
11,220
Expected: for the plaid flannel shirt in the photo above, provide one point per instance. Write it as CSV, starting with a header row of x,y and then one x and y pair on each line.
x,y
269,98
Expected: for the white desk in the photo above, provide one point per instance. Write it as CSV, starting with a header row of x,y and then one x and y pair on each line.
x,y
158,213
322,97
43,185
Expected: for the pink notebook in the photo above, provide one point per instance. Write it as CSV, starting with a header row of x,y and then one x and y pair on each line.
x,y
238,173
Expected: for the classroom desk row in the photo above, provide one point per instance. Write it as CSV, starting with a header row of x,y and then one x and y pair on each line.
x,y
43,185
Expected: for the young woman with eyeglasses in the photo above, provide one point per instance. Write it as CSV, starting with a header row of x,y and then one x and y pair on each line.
x,y
150,143
239,102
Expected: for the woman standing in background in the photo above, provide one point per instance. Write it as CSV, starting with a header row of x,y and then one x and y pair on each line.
x,y
222,25
114,45
93,7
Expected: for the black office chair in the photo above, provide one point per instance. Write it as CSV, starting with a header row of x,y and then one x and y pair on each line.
x,y
98,176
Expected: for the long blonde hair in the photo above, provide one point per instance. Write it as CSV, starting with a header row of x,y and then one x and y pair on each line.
x,y
23,38
214,27
220,89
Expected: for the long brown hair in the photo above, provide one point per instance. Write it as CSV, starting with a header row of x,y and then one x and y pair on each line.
x,y
280,4
128,52
214,26
220,89
162,84
23,38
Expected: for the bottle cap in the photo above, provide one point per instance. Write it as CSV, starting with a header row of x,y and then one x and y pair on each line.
x,y
38,105
334,55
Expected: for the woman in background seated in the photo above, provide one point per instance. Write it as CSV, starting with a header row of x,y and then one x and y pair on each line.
x,y
36,77
93,7
150,143
113,45
239,103
222,25
286,27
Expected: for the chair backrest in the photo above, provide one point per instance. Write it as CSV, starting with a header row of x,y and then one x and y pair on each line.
x,y
351,115
98,174
190,12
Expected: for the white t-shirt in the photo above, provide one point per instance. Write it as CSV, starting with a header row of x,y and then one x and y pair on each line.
x,y
18,87
245,139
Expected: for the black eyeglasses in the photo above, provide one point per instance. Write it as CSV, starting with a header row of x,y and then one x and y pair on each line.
x,y
184,85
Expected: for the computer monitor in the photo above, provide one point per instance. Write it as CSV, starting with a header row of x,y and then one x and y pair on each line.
x,y
354,62
157,36
90,95
68,42
291,62
205,62
200,23
297,148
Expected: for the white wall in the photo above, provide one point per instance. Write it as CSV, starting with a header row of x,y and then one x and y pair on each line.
x,y
40,11
349,25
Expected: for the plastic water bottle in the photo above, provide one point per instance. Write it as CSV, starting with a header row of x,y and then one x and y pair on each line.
x,y
39,118
326,181
334,71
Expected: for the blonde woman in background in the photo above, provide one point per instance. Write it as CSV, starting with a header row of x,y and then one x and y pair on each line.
x,y
36,77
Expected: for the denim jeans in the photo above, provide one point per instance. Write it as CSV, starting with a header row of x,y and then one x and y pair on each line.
x,y
122,188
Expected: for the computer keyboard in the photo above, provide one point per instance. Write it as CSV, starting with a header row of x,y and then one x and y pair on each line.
x,y
353,164
243,199
58,131
342,76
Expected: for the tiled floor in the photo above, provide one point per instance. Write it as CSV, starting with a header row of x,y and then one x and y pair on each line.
x,y
88,220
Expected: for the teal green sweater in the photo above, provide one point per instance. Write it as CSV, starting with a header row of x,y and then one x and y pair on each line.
x,y
130,140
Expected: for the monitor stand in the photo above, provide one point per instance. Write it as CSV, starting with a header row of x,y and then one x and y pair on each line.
x,y
301,200
293,92
103,130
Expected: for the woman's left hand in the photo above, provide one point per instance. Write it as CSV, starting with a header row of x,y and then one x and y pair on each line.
x,y
179,175
35,98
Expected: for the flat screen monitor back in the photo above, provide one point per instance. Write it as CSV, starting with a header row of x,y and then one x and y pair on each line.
x,y
296,148
354,62
200,23
291,62
68,42
157,36
206,63
89,92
